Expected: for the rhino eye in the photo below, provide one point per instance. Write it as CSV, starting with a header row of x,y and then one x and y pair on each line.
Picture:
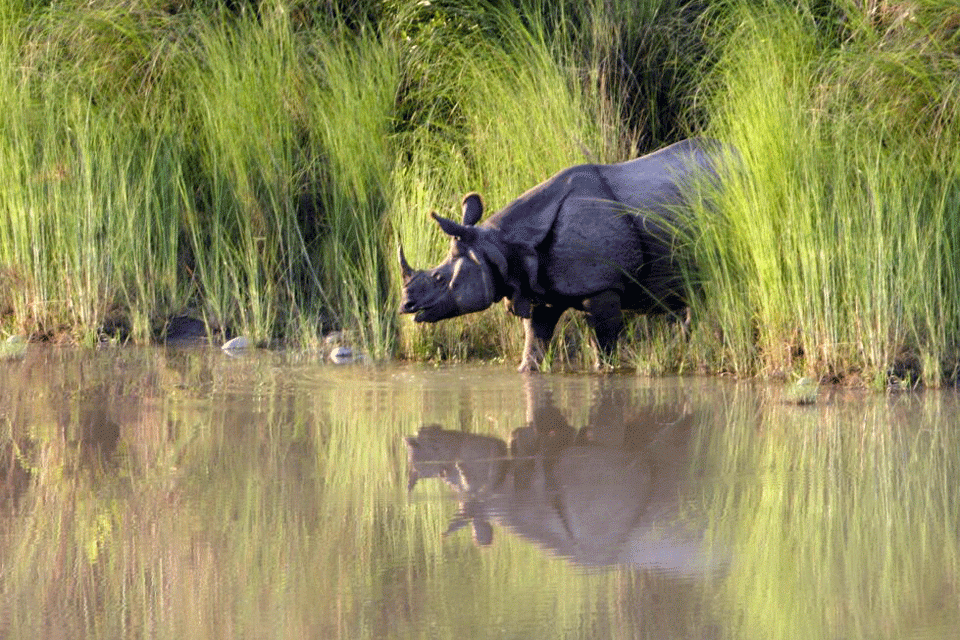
x,y
438,278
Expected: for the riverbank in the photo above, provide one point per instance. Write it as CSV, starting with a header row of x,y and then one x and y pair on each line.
x,y
254,167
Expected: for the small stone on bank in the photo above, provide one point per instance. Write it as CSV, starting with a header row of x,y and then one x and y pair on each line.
x,y
236,344
13,347
802,392
341,355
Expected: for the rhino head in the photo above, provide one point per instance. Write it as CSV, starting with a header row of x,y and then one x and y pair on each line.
x,y
466,281
474,466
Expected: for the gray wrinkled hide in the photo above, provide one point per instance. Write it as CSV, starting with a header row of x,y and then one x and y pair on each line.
x,y
599,238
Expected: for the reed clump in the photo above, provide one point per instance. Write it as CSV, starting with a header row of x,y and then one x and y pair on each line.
x,y
834,251
160,162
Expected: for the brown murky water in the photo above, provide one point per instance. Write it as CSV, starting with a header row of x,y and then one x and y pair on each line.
x,y
155,493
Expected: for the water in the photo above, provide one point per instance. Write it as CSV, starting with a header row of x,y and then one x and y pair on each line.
x,y
189,494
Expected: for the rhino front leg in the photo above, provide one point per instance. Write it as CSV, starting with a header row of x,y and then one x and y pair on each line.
x,y
605,315
539,330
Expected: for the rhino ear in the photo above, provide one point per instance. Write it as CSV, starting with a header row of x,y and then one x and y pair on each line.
x,y
482,532
412,478
467,233
472,208
412,475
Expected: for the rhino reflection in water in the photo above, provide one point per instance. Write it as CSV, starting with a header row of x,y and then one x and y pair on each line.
x,y
610,493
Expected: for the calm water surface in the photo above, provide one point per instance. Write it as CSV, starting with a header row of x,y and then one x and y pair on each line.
x,y
162,493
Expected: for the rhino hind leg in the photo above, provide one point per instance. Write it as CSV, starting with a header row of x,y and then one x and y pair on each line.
x,y
605,316
539,330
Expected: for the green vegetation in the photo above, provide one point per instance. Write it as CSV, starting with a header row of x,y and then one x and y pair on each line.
x,y
254,164
839,508
160,163
835,253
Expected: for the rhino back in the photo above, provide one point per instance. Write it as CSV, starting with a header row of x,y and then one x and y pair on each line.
x,y
661,177
599,227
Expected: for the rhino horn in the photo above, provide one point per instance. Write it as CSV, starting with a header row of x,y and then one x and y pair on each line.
x,y
459,522
482,532
467,233
405,268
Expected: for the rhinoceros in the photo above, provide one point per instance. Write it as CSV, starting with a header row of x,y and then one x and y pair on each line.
x,y
598,238
618,491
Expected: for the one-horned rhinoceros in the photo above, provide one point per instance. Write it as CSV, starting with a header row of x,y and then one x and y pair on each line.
x,y
599,238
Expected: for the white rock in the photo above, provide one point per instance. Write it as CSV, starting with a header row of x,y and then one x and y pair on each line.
x,y
236,344
342,355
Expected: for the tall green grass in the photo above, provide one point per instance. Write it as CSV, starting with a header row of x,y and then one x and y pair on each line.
x,y
297,158
256,168
231,168
834,249
84,197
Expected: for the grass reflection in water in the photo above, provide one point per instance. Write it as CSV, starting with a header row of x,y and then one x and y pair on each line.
x,y
186,494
